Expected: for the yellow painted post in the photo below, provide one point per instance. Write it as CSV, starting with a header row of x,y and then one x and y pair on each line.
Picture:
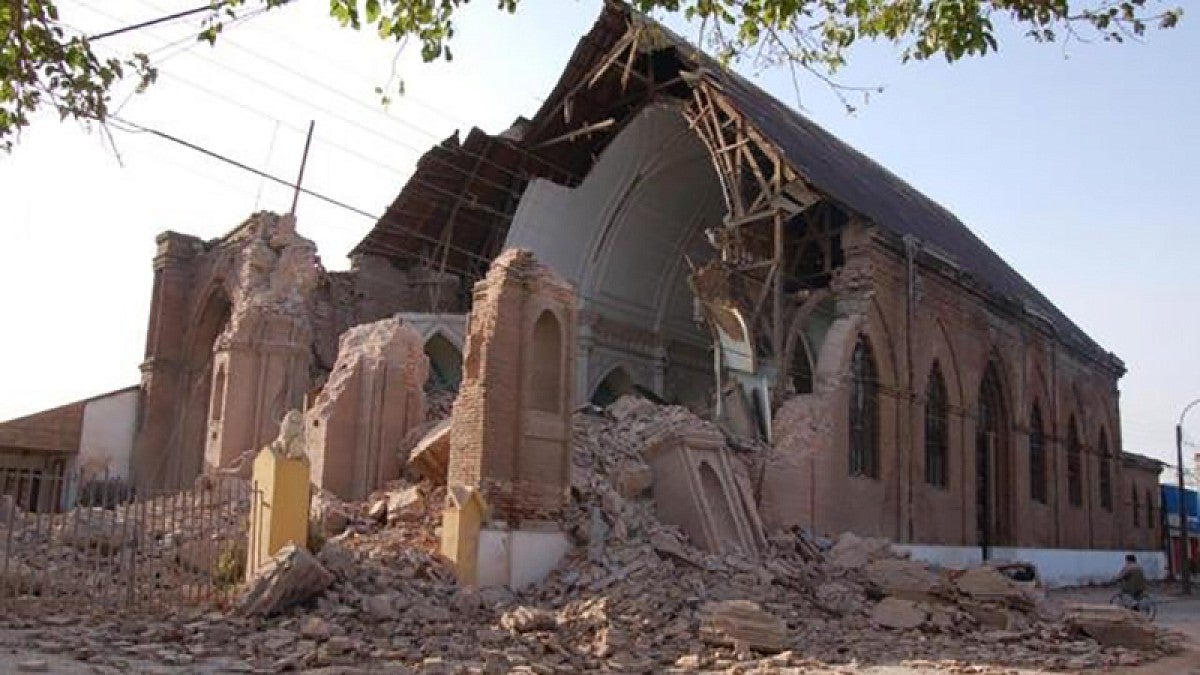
x,y
461,523
281,515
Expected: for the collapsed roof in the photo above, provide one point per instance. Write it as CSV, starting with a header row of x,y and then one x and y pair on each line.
x,y
455,211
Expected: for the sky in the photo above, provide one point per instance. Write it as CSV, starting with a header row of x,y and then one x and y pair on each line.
x,y
1079,164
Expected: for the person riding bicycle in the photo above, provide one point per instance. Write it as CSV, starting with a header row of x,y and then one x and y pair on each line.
x,y
1132,578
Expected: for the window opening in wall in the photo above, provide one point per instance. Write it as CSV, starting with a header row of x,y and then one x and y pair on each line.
x,y
1037,456
614,385
545,382
937,431
445,364
864,412
810,268
1106,491
1151,523
217,406
1074,465
991,465
1137,516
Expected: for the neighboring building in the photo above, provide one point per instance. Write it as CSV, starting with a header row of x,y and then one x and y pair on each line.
x,y
45,456
1171,509
1143,502
911,384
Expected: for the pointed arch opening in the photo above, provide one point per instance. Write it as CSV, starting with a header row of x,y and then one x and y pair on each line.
x,y
1135,507
1037,456
864,411
937,430
614,385
545,382
1151,511
1106,491
445,364
1074,464
992,480
216,406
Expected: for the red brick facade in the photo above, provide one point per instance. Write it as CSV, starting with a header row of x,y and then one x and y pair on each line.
x,y
942,318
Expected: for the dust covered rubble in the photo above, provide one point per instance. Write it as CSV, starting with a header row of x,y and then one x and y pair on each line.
x,y
633,596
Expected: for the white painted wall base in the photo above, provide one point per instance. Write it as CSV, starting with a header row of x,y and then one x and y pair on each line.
x,y
517,558
1058,567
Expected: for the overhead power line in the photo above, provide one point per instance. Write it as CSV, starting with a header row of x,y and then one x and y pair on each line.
x,y
208,7
246,167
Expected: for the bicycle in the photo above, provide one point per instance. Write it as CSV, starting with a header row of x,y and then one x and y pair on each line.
x,y
1146,606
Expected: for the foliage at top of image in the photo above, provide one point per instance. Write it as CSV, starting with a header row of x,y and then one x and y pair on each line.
x,y
44,64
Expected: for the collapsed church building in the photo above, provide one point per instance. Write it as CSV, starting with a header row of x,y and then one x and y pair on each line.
x,y
660,227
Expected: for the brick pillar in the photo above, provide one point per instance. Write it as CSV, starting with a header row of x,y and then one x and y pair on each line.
x,y
512,421
162,377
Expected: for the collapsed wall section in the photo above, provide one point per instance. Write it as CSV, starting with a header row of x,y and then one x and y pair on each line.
x,y
241,328
372,400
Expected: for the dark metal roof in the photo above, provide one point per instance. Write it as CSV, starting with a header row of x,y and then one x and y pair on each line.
x,y
834,168
1134,460
861,184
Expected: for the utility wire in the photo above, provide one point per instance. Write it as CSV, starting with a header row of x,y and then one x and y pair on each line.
x,y
162,19
246,167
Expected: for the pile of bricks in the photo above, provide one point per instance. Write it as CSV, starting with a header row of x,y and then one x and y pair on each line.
x,y
633,596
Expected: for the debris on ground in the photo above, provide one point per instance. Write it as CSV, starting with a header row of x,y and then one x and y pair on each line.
x,y
633,596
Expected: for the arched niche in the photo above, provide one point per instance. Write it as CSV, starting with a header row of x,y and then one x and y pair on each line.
x,y
203,392
718,502
545,381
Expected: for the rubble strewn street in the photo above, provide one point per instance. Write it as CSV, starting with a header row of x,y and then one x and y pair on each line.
x,y
633,596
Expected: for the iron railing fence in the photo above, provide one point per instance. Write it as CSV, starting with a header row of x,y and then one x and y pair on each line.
x,y
76,542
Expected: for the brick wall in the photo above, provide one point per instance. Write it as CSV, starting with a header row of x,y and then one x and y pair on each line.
x,y
512,419
955,325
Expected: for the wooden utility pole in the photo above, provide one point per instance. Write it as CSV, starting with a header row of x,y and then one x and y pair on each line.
x,y
303,163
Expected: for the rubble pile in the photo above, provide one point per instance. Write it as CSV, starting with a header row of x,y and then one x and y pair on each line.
x,y
439,402
635,595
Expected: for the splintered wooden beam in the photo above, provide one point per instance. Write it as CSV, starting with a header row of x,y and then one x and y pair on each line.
x,y
627,41
581,131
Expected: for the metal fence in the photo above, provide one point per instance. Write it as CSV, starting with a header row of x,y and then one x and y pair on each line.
x,y
94,543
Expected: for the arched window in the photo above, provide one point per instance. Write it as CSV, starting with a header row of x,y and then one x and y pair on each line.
x,y
614,385
937,430
1037,456
1137,515
864,412
217,405
1151,523
993,482
1106,491
545,382
1074,465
